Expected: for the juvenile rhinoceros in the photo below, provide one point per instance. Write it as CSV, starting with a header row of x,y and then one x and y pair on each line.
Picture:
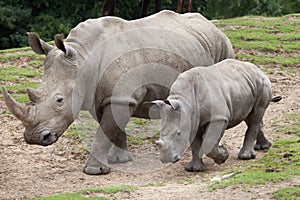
x,y
109,67
204,102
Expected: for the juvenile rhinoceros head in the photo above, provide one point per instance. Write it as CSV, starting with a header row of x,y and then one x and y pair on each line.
x,y
49,112
174,133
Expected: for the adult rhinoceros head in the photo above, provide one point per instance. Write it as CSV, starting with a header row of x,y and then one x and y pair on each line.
x,y
175,130
49,112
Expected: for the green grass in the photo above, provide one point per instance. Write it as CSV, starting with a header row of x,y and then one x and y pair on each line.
x,y
267,60
137,139
13,50
30,55
13,73
91,193
72,196
266,42
263,39
109,189
142,138
139,121
80,134
36,63
280,163
293,126
19,92
291,193
21,79
255,33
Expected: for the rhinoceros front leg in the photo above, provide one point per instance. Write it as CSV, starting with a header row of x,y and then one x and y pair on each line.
x,y
196,164
214,133
97,162
111,125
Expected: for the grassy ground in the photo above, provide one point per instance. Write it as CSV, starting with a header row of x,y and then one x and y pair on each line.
x,y
271,43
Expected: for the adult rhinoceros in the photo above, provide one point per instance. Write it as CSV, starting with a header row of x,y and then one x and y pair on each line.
x,y
109,67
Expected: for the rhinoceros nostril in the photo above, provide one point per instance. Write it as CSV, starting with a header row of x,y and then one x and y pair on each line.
x,y
48,138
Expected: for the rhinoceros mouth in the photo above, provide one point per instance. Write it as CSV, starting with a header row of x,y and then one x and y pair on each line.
x,y
48,137
172,159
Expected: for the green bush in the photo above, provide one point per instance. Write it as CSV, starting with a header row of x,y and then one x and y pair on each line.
x,y
51,17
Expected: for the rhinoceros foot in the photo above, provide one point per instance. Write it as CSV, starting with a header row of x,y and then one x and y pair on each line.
x,y
96,170
263,146
94,167
222,155
195,165
247,155
118,155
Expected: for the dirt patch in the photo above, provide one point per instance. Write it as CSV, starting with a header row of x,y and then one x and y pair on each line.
x,y
28,171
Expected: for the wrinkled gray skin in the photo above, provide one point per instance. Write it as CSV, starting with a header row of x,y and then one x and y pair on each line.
x,y
204,102
109,67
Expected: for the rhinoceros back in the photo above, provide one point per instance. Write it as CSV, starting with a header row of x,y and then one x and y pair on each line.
x,y
91,33
146,53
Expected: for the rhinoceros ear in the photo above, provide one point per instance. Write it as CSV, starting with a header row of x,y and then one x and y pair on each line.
x,y
59,42
174,103
69,51
158,103
38,45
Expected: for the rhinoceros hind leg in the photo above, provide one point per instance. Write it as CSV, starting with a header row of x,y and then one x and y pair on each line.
x,y
263,146
255,125
247,155
119,155
247,152
94,167
262,142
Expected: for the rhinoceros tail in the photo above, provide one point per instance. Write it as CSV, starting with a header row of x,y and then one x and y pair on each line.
x,y
276,99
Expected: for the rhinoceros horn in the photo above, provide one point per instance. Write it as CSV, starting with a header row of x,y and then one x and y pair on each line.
x,y
34,95
19,110
159,143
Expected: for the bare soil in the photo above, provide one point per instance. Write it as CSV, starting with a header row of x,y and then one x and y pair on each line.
x,y
28,171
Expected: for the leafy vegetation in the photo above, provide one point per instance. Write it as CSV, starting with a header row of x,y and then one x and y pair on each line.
x,y
51,17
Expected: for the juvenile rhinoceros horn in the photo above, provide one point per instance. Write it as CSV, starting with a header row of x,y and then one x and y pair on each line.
x,y
19,110
159,143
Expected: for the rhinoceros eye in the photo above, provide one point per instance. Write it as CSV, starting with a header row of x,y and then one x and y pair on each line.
x,y
59,100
